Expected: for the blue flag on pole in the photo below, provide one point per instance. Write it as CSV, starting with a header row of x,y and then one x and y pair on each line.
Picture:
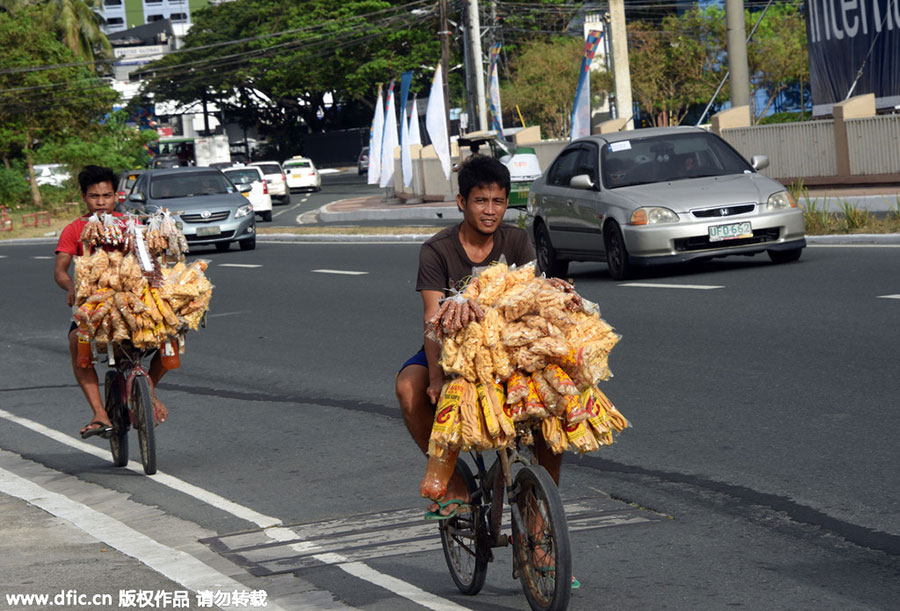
x,y
494,83
581,109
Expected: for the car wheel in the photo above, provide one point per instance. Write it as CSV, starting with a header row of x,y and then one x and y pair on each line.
x,y
616,253
785,256
249,244
546,256
267,216
222,246
286,199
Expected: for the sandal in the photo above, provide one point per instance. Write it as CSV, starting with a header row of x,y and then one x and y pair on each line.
x,y
461,507
104,430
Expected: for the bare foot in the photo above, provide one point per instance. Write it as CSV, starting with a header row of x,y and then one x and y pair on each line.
x,y
159,411
97,423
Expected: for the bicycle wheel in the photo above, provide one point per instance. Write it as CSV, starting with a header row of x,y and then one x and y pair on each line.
x,y
465,542
144,422
542,551
114,386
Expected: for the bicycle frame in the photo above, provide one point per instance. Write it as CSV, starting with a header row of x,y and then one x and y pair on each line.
x,y
492,486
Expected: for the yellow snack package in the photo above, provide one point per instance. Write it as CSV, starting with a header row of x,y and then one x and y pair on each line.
x,y
490,418
596,420
446,429
580,437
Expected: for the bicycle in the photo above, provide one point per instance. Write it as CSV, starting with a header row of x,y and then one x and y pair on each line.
x,y
129,404
542,558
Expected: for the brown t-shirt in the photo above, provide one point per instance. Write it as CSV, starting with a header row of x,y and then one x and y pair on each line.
x,y
443,263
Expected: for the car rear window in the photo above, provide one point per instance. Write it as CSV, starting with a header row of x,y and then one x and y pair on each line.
x,y
189,185
242,177
298,164
270,168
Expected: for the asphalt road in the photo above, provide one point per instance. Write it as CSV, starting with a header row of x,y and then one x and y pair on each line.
x,y
760,471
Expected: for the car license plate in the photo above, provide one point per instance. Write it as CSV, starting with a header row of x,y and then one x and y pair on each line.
x,y
298,175
208,231
732,231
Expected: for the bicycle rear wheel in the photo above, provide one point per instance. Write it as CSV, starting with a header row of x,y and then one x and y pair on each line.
x,y
144,422
114,387
465,542
542,551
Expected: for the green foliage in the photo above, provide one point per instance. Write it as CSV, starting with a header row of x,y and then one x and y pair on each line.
x,y
542,83
783,117
114,145
13,186
777,54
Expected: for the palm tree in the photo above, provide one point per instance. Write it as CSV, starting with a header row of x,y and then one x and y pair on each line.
x,y
77,22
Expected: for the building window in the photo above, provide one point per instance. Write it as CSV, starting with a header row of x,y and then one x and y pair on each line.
x,y
152,18
152,1
115,21
112,2
178,17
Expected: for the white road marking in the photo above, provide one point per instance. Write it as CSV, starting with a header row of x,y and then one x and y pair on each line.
x,y
3,256
220,314
853,245
245,265
889,297
653,285
339,271
180,567
356,569
43,257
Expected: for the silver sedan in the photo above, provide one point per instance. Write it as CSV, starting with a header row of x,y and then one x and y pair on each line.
x,y
659,195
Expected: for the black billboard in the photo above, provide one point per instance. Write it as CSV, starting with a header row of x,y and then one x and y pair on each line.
x,y
847,39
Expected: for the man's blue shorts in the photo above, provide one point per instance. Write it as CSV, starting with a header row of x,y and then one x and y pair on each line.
x,y
418,358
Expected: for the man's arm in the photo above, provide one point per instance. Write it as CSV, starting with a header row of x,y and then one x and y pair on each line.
x,y
432,301
61,275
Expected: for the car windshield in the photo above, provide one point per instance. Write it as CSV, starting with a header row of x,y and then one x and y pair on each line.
x,y
666,158
243,177
189,185
270,168
297,164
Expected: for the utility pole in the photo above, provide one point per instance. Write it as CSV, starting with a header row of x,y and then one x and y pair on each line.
x,y
477,63
737,53
445,58
621,70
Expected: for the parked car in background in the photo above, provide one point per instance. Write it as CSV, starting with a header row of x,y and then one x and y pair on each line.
x,y
210,209
362,162
166,161
276,180
659,195
51,174
301,173
126,182
259,190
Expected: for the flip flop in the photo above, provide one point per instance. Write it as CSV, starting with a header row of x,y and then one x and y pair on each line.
x,y
104,430
461,507
546,570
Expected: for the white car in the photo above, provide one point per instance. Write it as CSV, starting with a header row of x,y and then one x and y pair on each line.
x,y
275,178
52,174
301,173
259,194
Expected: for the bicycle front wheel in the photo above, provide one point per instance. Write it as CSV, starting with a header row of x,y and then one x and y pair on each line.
x,y
465,542
541,541
114,387
142,406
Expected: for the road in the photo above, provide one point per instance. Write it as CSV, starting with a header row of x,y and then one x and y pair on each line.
x,y
760,470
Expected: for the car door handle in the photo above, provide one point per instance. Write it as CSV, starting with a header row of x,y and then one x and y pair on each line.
x,y
568,202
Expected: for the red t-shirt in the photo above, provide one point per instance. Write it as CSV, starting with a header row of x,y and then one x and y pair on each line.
x,y
70,238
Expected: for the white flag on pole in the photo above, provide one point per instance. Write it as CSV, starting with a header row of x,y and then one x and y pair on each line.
x,y
436,122
375,135
389,141
414,136
405,157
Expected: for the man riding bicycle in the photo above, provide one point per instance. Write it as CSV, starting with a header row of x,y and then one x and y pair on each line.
x,y
98,192
446,261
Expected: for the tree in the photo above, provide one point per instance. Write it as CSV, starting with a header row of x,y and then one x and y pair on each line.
x,y
76,22
777,54
677,64
300,65
45,94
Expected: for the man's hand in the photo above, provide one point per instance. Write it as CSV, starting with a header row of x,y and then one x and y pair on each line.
x,y
434,391
70,296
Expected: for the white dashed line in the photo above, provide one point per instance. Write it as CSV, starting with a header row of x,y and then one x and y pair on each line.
x,y
889,297
245,265
43,257
339,271
651,285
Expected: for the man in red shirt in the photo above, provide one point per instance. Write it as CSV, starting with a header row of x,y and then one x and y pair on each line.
x,y
98,192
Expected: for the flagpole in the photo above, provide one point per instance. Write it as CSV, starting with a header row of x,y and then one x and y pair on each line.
x,y
445,59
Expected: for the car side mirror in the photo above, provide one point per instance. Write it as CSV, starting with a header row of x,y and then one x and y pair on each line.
x,y
759,162
582,181
244,188
136,197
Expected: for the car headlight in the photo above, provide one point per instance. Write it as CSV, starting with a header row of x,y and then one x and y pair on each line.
x,y
244,211
781,200
651,215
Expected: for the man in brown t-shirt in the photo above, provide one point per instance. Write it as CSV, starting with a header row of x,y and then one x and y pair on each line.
x,y
446,261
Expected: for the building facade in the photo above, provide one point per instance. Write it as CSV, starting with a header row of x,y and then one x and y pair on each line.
x,y
124,14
